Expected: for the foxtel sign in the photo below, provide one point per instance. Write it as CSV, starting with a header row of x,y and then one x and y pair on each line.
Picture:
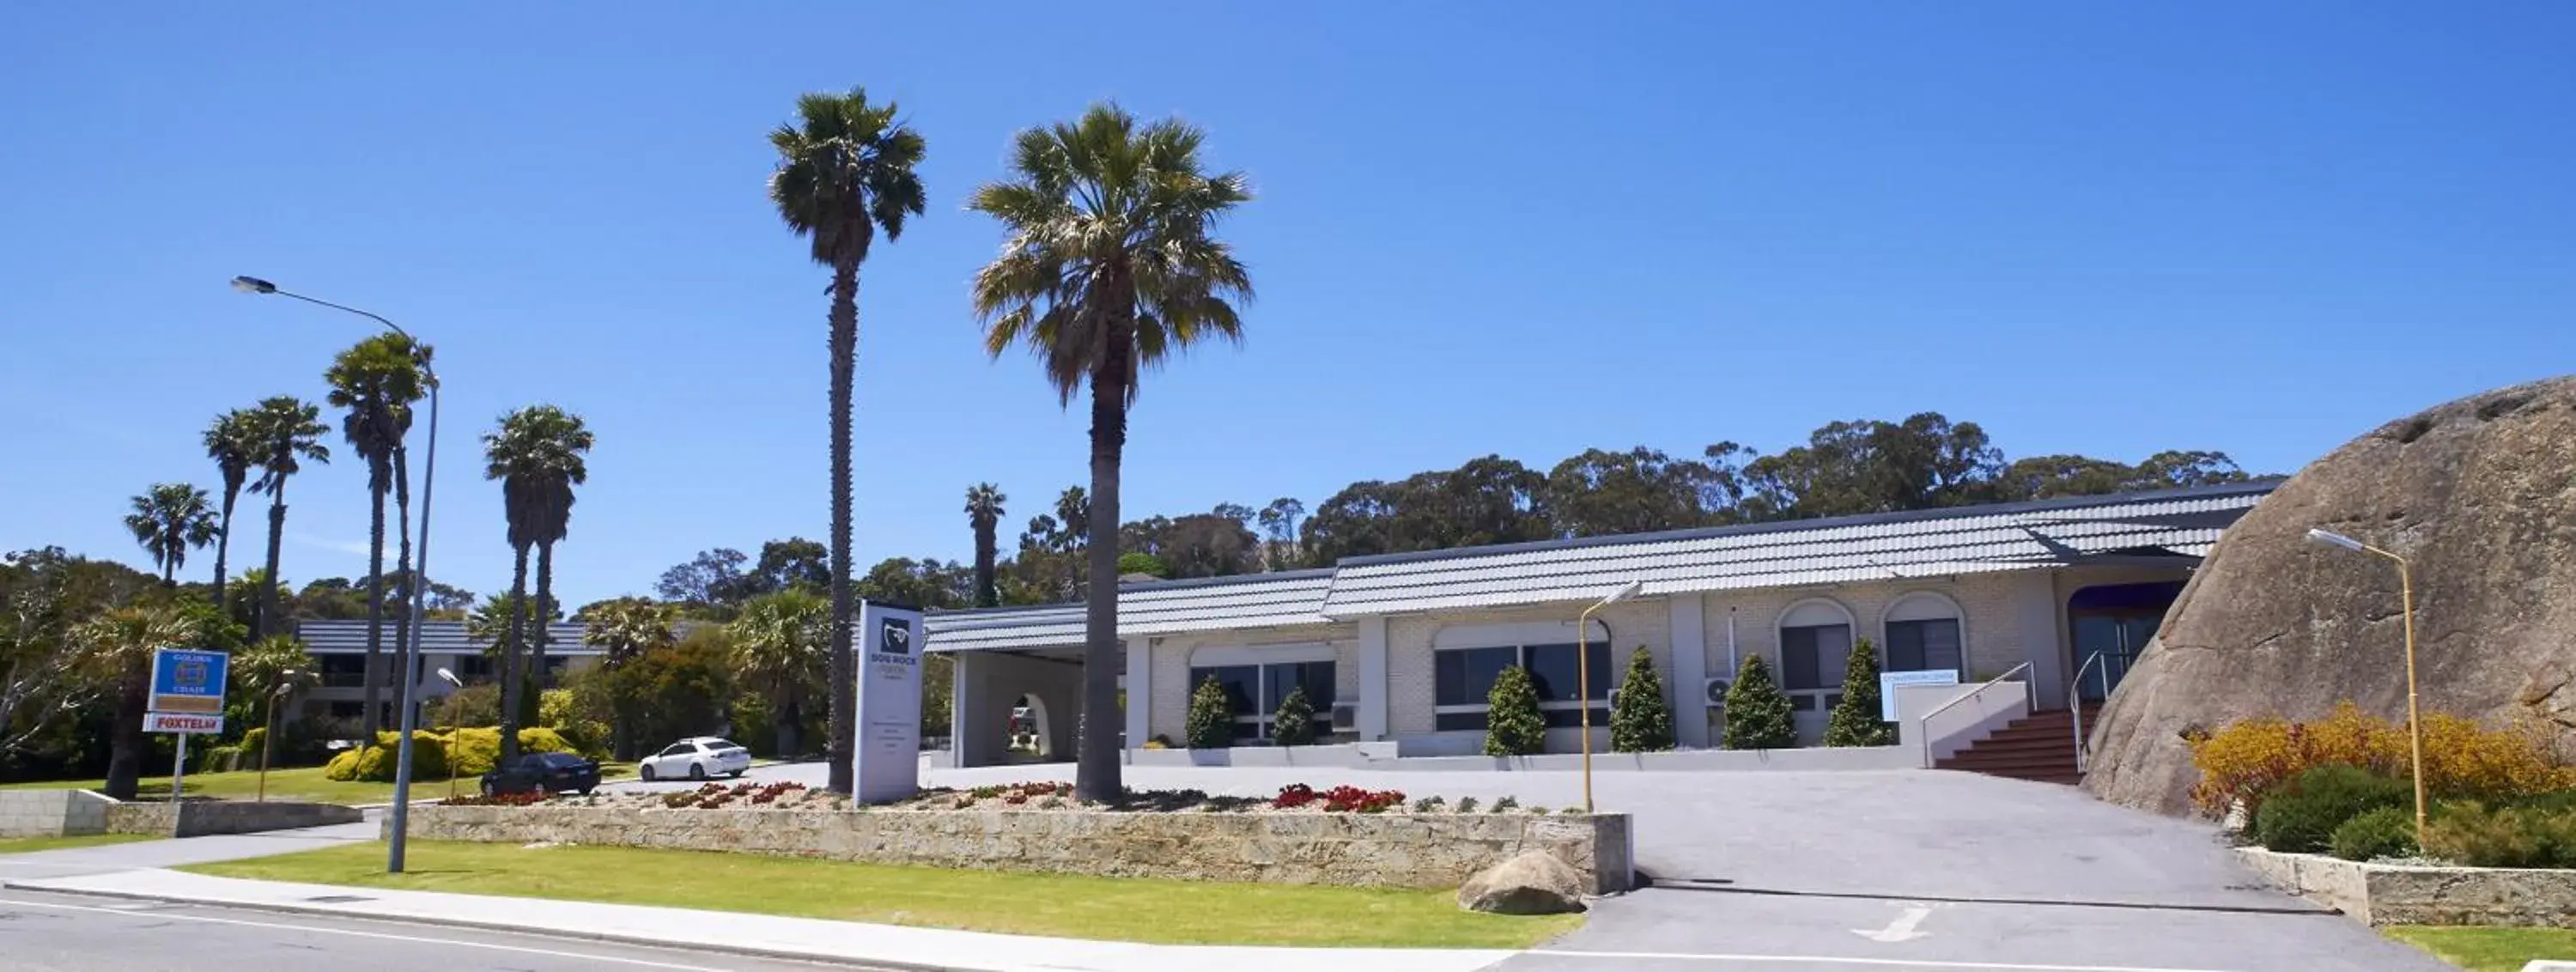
x,y
187,722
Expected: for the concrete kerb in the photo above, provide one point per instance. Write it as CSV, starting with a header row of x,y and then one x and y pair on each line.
x,y
471,924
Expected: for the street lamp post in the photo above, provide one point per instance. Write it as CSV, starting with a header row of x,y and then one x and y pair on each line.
x,y
454,685
419,575
268,738
1583,676
2406,596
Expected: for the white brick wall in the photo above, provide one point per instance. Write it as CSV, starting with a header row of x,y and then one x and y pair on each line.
x,y
1411,692
1171,684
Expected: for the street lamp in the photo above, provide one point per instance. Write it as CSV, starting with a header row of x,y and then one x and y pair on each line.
x,y
268,739
2406,595
1583,675
454,685
419,572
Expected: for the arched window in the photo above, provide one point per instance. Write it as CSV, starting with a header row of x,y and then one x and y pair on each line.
x,y
1926,632
1815,643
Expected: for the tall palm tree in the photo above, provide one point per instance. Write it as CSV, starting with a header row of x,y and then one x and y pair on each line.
x,y
984,511
845,171
376,380
230,442
779,642
168,520
117,645
285,431
536,453
1110,267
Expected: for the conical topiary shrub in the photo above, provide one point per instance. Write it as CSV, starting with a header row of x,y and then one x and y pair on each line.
x,y
1757,712
1641,721
1855,719
1513,725
1294,723
1211,721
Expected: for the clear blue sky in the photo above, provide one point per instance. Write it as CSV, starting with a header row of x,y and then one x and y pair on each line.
x,y
1513,228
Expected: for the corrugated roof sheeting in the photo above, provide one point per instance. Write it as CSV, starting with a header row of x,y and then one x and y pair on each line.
x,y
1935,543
436,637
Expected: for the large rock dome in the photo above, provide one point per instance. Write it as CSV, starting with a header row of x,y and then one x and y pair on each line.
x,y
2480,494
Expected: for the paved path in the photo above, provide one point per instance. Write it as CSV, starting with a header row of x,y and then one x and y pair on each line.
x,y
178,853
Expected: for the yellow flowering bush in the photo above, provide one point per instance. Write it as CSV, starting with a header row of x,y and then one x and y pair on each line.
x,y
2462,759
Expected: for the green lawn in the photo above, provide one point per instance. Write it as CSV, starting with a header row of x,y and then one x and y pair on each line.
x,y
1066,906
303,783
22,845
2489,949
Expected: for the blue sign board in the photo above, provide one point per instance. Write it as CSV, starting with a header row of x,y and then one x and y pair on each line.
x,y
188,681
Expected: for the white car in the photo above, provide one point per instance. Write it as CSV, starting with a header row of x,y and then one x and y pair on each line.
x,y
696,758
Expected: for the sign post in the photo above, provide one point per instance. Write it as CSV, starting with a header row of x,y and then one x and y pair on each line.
x,y
187,698
888,753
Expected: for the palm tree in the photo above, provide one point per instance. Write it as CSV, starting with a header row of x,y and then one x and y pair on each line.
x,y
845,171
1109,267
230,443
168,520
376,380
284,431
984,511
779,642
536,453
117,646
624,630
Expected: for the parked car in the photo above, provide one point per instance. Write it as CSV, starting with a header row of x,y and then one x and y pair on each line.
x,y
543,773
697,758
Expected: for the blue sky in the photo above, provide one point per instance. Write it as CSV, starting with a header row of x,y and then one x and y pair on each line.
x,y
1491,227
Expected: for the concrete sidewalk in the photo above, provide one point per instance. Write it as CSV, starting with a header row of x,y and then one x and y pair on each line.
x,y
178,851
880,946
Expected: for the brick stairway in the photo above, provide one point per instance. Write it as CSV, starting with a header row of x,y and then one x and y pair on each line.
x,y
2038,747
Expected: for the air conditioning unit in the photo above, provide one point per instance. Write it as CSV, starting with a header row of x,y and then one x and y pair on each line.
x,y
1716,693
1346,717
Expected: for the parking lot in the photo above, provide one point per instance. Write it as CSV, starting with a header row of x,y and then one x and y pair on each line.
x,y
1884,870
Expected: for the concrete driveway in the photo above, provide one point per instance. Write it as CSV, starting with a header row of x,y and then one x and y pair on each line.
x,y
1903,870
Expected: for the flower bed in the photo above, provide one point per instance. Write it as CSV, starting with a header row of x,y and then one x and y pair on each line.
x,y
1296,798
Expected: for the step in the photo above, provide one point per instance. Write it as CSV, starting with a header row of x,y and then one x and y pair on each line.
x,y
2066,765
2048,747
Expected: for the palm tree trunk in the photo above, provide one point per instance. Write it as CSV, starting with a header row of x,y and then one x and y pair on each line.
x,y
985,594
841,734
125,739
224,543
402,566
537,634
264,623
1096,773
511,688
373,694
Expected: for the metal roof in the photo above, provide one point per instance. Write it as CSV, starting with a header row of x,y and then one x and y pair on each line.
x,y
436,637
2175,524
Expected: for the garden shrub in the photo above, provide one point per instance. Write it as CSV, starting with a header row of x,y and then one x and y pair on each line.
x,y
1211,719
2462,760
250,745
2475,834
561,711
1513,725
543,740
1757,712
1294,723
377,763
1641,721
342,767
1855,721
2301,817
474,751
2383,832
223,759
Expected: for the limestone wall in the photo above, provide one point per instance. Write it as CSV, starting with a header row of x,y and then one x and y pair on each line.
x,y
2396,894
52,813
1394,850
211,817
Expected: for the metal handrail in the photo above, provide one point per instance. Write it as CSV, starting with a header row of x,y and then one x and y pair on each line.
x,y
2027,691
2083,752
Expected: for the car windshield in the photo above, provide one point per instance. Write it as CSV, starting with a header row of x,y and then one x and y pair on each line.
x,y
561,760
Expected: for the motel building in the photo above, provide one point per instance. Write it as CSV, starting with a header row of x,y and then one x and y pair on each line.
x,y
1398,651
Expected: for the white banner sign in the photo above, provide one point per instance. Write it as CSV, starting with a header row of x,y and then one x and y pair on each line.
x,y
889,643
185,722
1888,681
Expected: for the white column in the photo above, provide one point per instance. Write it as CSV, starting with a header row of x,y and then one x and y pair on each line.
x,y
1372,711
1690,670
2042,638
1140,689
962,696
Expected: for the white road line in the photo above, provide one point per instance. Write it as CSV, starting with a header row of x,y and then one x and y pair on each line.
x,y
1841,960
164,915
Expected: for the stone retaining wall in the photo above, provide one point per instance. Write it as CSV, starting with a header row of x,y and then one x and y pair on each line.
x,y
142,818
52,813
1396,850
56,813
2401,894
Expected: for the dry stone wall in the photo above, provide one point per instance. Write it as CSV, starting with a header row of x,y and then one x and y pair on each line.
x,y
1393,850
2402,894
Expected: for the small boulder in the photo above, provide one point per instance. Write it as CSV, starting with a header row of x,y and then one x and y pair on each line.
x,y
1530,884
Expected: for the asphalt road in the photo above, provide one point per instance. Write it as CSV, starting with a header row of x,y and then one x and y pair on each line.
x,y
64,933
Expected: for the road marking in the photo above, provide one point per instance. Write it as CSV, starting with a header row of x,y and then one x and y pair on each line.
x,y
1841,960
381,936
1899,930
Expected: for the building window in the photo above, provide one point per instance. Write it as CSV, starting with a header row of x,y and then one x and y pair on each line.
x,y
1815,647
1931,644
1462,679
343,671
1255,691
476,669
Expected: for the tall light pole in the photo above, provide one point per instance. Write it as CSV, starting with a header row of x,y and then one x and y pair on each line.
x,y
419,574
1583,675
2406,596
454,685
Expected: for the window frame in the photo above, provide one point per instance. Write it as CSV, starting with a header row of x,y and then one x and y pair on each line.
x,y
1521,639
1254,725
1805,614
